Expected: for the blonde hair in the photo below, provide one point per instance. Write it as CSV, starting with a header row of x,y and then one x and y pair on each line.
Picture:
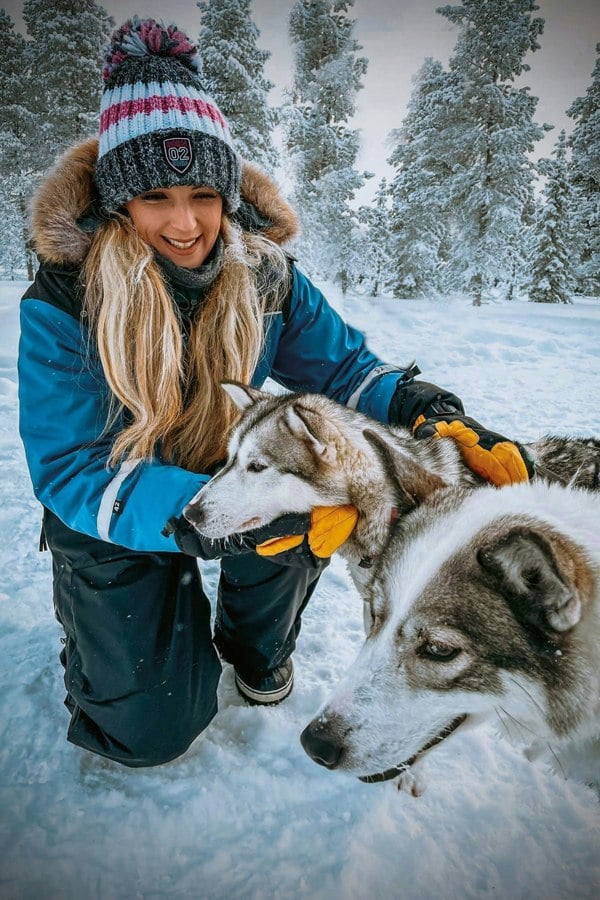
x,y
170,389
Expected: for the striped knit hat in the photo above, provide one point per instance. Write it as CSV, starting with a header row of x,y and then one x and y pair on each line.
x,y
158,128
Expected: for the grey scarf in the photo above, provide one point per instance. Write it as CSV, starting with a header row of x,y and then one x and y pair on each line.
x,y
194,282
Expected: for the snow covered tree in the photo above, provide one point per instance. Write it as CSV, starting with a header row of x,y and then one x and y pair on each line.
x,y
19,140
585,143
321,146
493,177
419,213
49,95
15,258
551,268
18,122
233,72
64,70
372,251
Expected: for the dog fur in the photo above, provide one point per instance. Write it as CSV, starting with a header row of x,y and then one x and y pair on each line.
x,y
294,452
485,607
481,604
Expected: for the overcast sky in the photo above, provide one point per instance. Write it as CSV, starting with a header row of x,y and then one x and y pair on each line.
x,y
397,35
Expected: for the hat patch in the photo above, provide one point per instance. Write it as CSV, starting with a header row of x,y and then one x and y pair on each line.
x,y
178,153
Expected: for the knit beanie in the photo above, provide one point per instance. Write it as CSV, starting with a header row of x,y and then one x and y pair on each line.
x,y
158,128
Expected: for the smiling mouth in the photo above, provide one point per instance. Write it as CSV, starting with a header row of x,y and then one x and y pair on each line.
x,y
181,245
387,774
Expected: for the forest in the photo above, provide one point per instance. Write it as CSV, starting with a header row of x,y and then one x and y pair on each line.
x,y
468,209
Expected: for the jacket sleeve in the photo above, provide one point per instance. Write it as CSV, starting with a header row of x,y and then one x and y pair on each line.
x,y
321,353
63,403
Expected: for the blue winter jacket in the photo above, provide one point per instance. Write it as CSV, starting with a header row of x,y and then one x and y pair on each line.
x,y
64,399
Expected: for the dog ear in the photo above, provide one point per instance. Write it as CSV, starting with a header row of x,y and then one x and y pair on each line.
x,y
296,420
544,578
243,395
413,483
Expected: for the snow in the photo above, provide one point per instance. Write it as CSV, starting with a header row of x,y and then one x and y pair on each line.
x,y
245,813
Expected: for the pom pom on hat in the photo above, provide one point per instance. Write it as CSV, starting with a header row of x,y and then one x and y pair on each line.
x,y
158,127
136,38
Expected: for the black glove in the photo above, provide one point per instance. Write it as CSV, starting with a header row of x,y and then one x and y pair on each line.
x,y
430,411
413,399
192,543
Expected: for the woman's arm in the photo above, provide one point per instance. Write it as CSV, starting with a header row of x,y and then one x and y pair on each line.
x,y
63,408
320,353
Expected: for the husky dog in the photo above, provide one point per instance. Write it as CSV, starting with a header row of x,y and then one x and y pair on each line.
x,y
294,452
485,606
480,603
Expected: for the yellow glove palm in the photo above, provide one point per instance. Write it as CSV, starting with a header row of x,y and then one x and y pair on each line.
x,y
330,527
490,455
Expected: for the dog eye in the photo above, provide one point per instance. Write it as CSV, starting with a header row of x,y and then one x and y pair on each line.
x,y
255,467
439,652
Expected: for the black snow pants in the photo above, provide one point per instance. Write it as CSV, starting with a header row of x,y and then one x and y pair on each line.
x,y
141,669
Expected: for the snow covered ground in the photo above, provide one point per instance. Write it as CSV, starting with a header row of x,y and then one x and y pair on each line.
x,y
245,813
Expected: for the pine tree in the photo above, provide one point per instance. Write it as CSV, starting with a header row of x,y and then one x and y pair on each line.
x,y
321,146
373,248
49,95
65,65
551,270
585,143
233,72
15,260
493,176
19,140
419,214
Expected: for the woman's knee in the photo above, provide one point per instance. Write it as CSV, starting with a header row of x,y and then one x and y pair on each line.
x,y
140,664
143,733
165,740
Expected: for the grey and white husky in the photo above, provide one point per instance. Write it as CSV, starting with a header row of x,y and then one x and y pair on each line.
x,y
485,607
481,604
294,452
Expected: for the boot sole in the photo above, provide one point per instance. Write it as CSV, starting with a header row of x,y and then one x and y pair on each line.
x,y
264,698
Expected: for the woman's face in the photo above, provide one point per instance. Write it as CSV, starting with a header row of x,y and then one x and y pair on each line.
x,y
181,223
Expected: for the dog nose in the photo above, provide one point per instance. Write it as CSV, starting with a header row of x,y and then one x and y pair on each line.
x,y
321,745
194,514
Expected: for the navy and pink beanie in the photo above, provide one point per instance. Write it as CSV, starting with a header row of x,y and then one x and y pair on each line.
x,y
158,128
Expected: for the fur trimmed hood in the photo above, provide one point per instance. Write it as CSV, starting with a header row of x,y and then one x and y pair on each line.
x,y
68,192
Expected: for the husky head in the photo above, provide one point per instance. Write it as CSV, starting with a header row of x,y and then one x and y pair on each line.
x,y
483,607
281,459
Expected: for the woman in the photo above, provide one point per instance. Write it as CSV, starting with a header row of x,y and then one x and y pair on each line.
x,y
158,280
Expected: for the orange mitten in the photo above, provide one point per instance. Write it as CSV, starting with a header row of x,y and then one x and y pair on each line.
x,y
330,527
490,455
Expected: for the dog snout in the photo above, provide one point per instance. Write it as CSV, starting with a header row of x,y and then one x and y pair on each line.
x,y
323,740
194,514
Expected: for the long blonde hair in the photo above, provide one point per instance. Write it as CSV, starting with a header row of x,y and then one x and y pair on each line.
x,y
171,390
